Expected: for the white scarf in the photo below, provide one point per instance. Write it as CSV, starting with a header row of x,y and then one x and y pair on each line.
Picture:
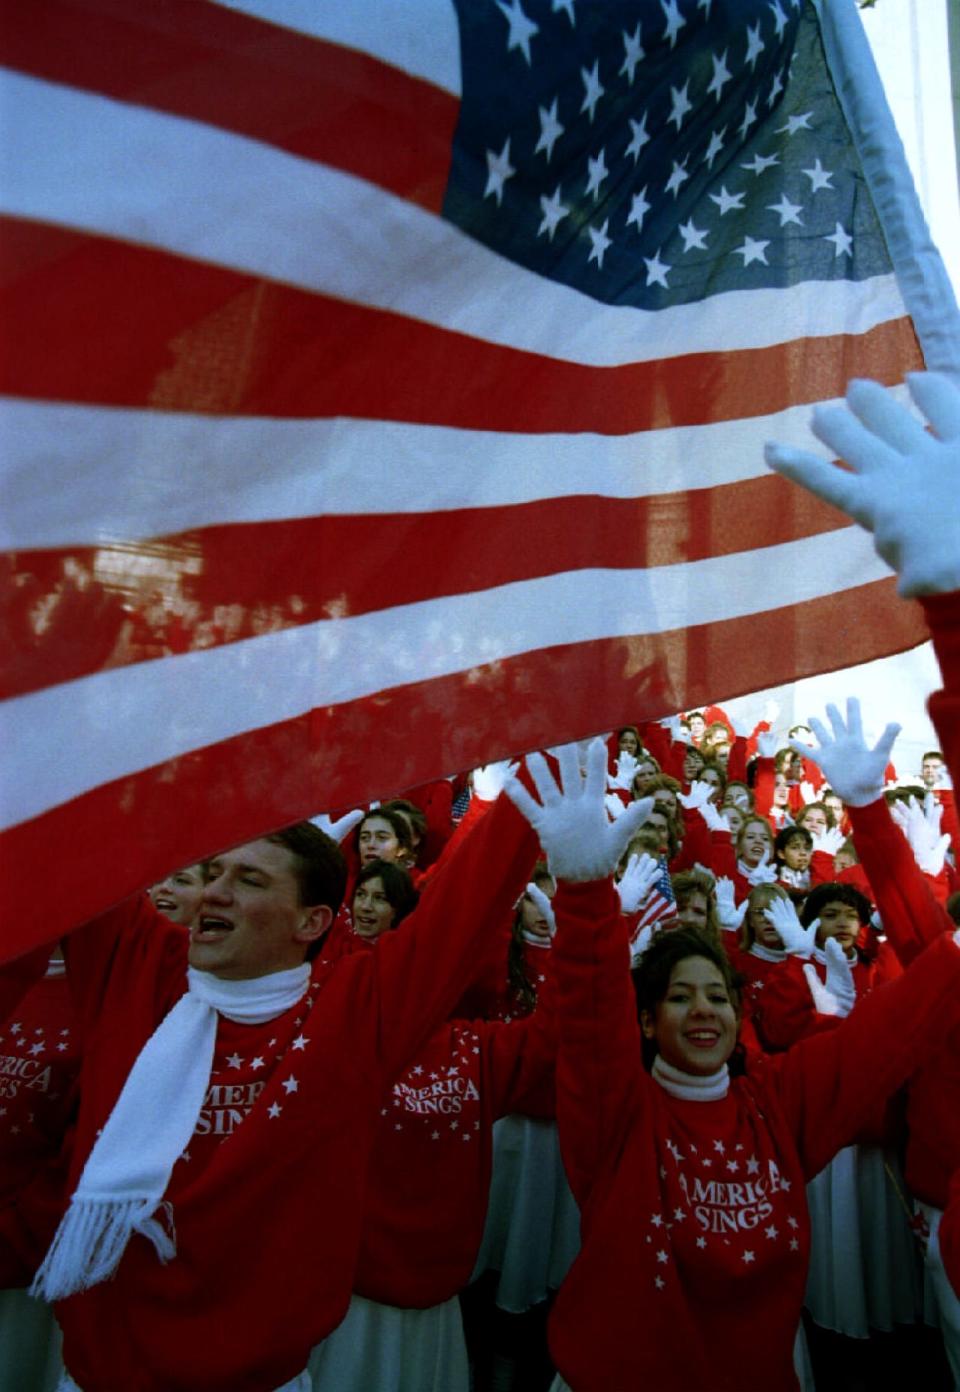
x,y
768,954
691,1087
128,1169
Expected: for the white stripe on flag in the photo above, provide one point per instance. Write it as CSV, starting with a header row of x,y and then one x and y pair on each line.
x,y
122,475
90,163
62,741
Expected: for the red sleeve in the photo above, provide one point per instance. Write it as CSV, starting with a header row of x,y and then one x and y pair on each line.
x,y
737,762
669,753
763,787
832,1084
599,1075
784,1012
424,969
821,868
435,800
522,1060
471,819
910,913
949,821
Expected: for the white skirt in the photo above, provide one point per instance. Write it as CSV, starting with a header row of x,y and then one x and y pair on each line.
x,y
389,1349
29,1344
532,1233
865,1267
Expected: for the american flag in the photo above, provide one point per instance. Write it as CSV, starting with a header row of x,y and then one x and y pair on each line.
x,y
384,391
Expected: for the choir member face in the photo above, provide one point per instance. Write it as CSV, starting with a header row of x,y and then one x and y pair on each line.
x,y
645,771
251,922
840,921
795,854
377,840
697,726
932,771
709,775
781,790
843,859
695,1025
657,819
692,764
628,742
692,913
763,930
737,796
532,919
815,820
666,799
178,896
373,913
753,841
835,804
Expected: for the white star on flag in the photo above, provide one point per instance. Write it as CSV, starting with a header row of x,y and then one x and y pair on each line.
x,y
786,211
681,104
550,130
499,170
633,54
522,29
841,239
598,236
693,237
597,172
721,75
638,137
818,176
593,90
726,201
752,250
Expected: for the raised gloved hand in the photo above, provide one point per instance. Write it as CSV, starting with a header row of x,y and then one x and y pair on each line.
x,y
342,827
796,939
636,882
921,827
671,723
771,710
615,806
829,840
741,726
767,744
542,902
699,795
580,841
807,791
712,816
627,766
729,915
489,780
851,769
902,483
840,982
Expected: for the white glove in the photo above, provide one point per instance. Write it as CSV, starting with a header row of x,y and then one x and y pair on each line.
x,y
851,769
764,873
904,482
712,816
535,893
671,724
636,882
699,795
489,780
824,1001
921,827
829,841
808,792
627,766
614,805
341,827
771,710
741,725
580,841
767,744
796,939
729,916
840,977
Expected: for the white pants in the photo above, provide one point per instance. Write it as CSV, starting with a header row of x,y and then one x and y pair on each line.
x,y
383,1348
298,1384
948,1306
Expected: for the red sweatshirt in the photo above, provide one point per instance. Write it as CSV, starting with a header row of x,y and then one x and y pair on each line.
x,y
267,1201
426,1198
695,1229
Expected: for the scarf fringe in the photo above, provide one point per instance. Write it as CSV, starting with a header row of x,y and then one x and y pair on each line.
x,y
91,1240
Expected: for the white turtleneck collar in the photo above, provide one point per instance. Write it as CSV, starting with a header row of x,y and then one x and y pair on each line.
x,y
691,1087
768,954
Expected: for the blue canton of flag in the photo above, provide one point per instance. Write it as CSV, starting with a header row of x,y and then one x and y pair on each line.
x,y
656,153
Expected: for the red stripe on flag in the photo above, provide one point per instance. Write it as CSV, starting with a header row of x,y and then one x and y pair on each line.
x,y
52,867
206,339
318,100
362,563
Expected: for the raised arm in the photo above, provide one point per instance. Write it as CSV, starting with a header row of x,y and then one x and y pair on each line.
x,y
598,1069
